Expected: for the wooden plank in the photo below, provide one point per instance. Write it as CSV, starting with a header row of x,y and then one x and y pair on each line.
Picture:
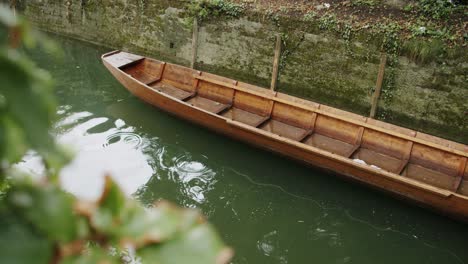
x,y
196,81
268,116
408,151
311,128
121,59
313,121
263,121
234,92
272,105
129,64
346,119
157,79
224,109
276,61
194,43
163,68
461,172
357,142
405,158
359,134
306,134
378,85
110,53
198,77
188,97
233,100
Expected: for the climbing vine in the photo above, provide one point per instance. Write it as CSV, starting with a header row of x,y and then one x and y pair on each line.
x,y
391,46
290,44
327,22
204,10
346,34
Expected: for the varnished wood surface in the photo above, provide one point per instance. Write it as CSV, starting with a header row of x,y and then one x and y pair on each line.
x,y
406,163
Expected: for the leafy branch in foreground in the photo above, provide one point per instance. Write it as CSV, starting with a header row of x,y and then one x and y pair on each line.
x,y
40,222
65,230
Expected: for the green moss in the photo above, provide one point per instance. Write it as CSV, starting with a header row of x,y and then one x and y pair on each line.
x,y
321,91
243,76
424,51
444,130
367,3
206,10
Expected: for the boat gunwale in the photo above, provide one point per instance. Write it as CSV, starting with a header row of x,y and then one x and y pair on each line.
x,y
389,175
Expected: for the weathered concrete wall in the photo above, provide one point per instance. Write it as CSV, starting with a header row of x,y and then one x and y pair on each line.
x,y
317,64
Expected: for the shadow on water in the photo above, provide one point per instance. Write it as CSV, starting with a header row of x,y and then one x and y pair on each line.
x,y
270,209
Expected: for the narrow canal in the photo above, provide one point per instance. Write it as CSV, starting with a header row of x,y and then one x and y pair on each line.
x,y
268,208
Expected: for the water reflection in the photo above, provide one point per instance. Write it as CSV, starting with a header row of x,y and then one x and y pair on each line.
x,y
31,164
115,150
101,147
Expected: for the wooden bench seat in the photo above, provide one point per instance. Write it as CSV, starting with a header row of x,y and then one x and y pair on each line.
x,y
463,187
245,117
172,91
429,176
207,104
122,59
329,144
284,130
383,161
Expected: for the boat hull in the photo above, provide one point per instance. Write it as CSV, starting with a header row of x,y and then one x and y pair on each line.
x,y
446,202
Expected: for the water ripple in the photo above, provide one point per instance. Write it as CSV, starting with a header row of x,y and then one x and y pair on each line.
x,y
129,138
195,177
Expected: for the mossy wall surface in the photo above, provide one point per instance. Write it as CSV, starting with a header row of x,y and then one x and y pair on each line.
x,y
317,64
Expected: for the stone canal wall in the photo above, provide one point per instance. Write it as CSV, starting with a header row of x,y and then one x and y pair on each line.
x,y
336,68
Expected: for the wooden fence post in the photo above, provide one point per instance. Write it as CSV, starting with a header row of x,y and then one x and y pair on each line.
x,y
276,61
378,85
194,43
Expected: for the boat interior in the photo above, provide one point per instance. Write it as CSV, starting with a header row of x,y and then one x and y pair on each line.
x,y
422,157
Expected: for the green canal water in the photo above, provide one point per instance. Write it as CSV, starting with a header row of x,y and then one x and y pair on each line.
x,y
268,208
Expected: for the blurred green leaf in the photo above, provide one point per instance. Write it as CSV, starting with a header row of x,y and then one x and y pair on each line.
x,y
110,204
92,255
20,244
159,231
199,245
28,102
12,144
141,226
124,220
47,208
28,98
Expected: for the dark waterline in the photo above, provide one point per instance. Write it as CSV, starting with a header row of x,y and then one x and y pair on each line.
x,y
268,208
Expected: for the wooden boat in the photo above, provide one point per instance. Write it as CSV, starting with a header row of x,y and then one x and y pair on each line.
x,y
428,170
